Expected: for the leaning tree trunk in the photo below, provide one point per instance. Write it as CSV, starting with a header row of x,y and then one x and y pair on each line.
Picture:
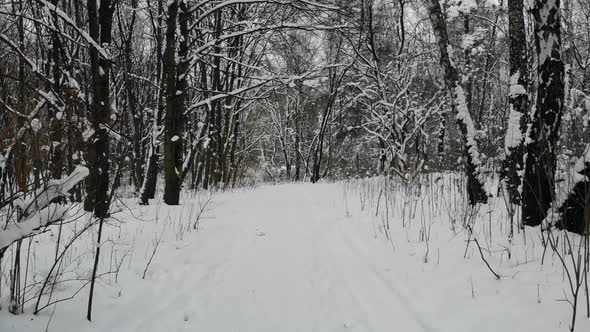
x,y
540,163
475,189
512,165
97,182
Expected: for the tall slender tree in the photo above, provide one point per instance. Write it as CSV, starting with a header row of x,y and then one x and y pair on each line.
x,y
475,190
100,21
174,118
512,167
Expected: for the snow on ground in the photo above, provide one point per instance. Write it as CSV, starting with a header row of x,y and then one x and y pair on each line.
x,y
305,257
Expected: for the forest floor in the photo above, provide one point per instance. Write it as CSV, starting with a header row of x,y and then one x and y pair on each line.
x,y
304,257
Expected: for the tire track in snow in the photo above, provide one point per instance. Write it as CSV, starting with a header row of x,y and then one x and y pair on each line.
x,y
394,289
340,272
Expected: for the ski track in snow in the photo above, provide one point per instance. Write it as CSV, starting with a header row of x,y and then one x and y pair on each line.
x,y
275,259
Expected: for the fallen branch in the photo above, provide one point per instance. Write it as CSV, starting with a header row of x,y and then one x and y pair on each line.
x,y
481,253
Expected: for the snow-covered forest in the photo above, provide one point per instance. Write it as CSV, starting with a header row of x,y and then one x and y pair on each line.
x,y
294,165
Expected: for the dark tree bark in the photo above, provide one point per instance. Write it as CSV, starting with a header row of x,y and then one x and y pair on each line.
x,y
218,86
21,159
513,163
538,182
175,99
297,121
442,128
56,123
232,155
574,213
475,189
215,147
171,178
97,182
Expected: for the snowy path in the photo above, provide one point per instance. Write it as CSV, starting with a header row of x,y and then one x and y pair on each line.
x,y
284,263
297,258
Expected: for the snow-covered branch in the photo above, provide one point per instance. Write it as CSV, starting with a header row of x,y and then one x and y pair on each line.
x,y
233,93
38,211
103,53
44,217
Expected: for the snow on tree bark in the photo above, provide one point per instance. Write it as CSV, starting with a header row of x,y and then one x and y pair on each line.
x,y
38,211
475,188
512,166
574,210
542,133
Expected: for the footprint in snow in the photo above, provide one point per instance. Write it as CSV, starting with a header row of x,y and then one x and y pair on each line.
x,y
348,325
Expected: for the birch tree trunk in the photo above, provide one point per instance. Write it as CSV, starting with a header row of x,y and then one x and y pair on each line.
x,y
542,133
475,190
574,212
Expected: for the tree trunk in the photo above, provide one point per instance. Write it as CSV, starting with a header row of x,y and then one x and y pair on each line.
x,y
56,123
574,213
475,189
216,150
97,182
540,156
512,165
175,92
